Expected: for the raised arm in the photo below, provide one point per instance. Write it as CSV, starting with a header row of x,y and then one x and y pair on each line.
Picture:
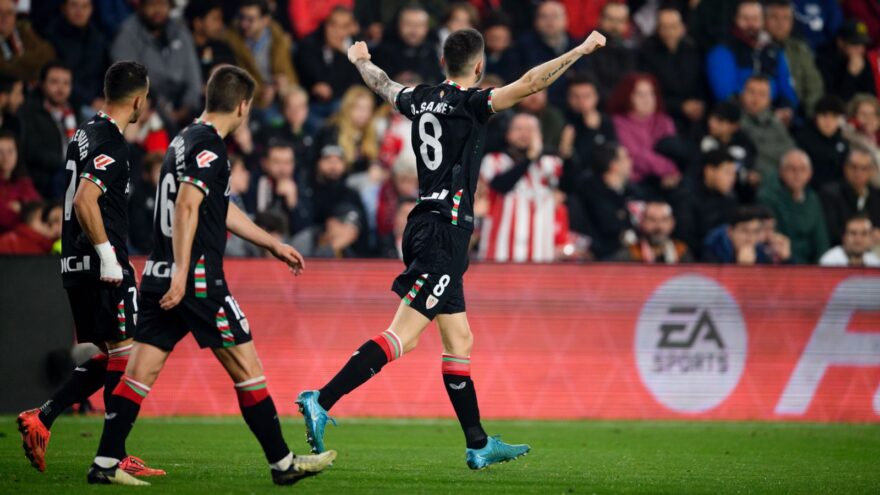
x,y
376,78
239,224
542,76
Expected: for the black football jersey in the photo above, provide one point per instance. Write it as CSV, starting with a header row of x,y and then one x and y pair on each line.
x,y
197,156
448,132
97,153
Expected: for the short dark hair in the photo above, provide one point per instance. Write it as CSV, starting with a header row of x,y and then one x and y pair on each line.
x,y
124,78
727,111
263,5
582,77
31,209
757,78
603,156
829,104
777,3
856,217
227,87
198,9
716,157
54,64
7,82
460,48
745,213
47,208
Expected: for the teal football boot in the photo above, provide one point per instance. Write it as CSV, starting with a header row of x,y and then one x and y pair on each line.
x,y
494,452
316,419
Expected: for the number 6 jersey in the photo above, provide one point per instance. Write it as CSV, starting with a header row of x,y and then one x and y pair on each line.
x,y
197,156
448,132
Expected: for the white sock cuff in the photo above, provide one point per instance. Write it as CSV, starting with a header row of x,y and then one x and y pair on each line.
x,y
283,464
106,462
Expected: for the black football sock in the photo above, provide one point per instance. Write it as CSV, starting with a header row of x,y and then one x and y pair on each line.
x,y
367,361
86,379
463,395
258,411
122,411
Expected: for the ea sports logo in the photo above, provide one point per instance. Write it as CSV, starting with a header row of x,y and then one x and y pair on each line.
x,y
690,344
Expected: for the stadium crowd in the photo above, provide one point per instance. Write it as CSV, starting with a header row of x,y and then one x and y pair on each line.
x,y
724,131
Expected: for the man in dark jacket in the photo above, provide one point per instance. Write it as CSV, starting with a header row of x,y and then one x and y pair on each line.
x,y
48,123
411,48
677,64
844,64
854,194
205,21
711,202
321,61
823,141
82,47
591,129
605,196
725,134
618,58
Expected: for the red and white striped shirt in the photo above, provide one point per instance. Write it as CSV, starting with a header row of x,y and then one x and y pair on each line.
x,y
522,224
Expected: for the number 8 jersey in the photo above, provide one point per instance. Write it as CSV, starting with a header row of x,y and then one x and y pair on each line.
x,y
197,156
448,132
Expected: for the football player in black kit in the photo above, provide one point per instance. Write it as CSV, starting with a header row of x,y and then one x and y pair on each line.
x,y
449,127
184,289
99,280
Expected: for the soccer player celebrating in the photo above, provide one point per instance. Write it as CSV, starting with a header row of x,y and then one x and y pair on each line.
x,y
184,289
99,280
449,127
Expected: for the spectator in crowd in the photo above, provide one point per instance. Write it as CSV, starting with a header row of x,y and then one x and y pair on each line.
x,y
322,62
774,245
546,41
403,185
746,53
725,134
808,83
11,99
263,49
337,237
655,243
845,66
275,188
458,15
797,208
411,48
110,15
763,127
738,241
379,16
353,129
818,21
501,59
677,63
711,201
855,247
81,46
239,183
588,128
306,16
328,187
523,197
31,236
710,21
16,187
142,204
394,243
854,194
618,58
295,129
166,48
641,123
868,13
863,126
205,21
48,124
22,52
271,221
551,119
605,197
822,139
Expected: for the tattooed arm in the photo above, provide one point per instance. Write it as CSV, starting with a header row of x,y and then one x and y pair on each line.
x,y
375,77
543,75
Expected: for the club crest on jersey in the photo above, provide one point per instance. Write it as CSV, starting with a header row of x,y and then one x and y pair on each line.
x,y
204,159
103,161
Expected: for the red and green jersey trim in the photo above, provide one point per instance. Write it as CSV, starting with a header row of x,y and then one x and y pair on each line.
x,y
201,283
489,100
98,182
223,328
196,182
207,123
414,290
455,365
456,202
106,117
454,84
120,317
137,387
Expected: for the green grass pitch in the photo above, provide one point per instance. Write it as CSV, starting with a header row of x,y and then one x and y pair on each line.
x,y
218,456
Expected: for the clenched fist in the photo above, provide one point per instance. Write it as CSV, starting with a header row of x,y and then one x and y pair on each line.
x,y
358,52
593,42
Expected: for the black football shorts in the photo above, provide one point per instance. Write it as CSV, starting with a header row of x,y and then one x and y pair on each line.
x,y
103,312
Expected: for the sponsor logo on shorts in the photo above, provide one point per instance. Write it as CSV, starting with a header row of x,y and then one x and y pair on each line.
x,y
158,269
690,344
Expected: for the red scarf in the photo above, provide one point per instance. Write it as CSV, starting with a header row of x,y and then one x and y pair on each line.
x,y
64,118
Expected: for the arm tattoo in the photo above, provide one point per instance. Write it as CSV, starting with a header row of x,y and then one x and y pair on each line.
x,y
379,81
556,70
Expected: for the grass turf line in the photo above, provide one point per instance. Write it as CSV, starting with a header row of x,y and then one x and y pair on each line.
x,y
219,456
